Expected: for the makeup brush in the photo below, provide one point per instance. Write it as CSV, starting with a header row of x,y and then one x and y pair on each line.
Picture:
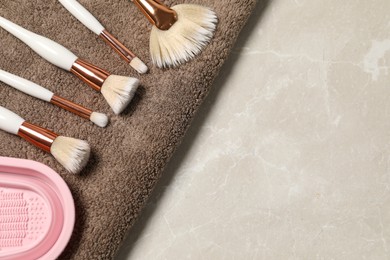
x,y
86,18
179,33
72,153
117,90
34,90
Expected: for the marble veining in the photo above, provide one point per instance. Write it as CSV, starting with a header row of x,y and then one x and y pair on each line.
x,y
373,61
289,158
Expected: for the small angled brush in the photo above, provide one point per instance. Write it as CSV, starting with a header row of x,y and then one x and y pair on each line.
x,y
86,18
71,153
117,90
40,92
179,33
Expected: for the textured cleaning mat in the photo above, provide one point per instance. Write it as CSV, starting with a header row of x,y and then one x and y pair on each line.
x,y
130,154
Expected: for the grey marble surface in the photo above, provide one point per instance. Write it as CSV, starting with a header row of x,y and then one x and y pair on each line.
x,y
289,158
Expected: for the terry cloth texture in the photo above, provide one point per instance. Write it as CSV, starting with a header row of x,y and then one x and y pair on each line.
x,y
129,155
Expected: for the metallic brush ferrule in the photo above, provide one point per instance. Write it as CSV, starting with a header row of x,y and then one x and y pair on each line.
x,y
157,13
71,107
122,50
90,74
38,136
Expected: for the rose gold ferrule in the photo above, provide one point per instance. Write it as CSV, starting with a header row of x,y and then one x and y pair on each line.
x,y
157,13
38,136
121,49
71,107
90,74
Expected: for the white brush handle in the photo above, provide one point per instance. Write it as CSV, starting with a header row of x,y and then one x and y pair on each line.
x,y
83,15
26,86
46,48
9,121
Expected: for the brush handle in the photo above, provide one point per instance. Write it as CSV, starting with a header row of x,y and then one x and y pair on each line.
x,y
86,18
83,15
46,48
9,121
26,86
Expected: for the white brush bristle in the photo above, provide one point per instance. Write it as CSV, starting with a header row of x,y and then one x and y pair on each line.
x,y
119,91
72,153
99,119
186,38
138,65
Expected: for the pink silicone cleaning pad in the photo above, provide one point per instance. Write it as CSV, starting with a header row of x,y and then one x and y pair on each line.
x,y
37,212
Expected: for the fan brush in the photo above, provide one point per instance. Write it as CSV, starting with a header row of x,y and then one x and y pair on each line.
x,y
179,33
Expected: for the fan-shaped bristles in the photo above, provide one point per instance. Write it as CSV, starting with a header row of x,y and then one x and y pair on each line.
x,y
99,119
186,38
119,91
138,65
72,153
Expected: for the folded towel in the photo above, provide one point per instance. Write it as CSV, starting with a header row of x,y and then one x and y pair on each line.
x,y
130,154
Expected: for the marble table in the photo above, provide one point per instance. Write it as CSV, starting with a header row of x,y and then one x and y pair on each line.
x,y
289,158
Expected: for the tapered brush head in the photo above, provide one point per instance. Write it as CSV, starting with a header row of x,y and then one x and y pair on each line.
x,y
119,91
138,65
72,153
185,38
99,119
